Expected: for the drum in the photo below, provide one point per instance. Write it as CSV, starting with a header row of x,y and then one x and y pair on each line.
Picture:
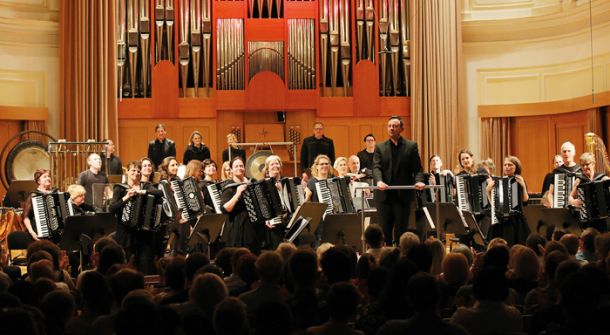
x,y
10,220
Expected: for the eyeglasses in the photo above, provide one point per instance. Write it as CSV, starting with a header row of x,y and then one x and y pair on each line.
x,y
323,163
318,129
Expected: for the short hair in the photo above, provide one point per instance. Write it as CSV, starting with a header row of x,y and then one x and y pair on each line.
x,y
534,240
270,159
286,250
194,262
38,173
303,267
76,191
495,242
339,159
421,256
336,265
236,158
318,123
556,245
230,317
433,156
455,269
270,266
206,162
407,241
498,257
551,262
343,300
208,290
423,292
136,164
367,136
47,246
587,157
125,281
571,243
490,284
516,162
373,235
568,144
396,117
524,263
159,125
90,157
174,273
588,238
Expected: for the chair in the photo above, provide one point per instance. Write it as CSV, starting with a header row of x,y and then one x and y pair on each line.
x,y
17,244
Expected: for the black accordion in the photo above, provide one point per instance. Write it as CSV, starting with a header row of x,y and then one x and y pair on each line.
x,y
262,201
595,196
50,213
470,193
142,212
189,198
336,193
215,193
293,191
563,183
504,200
429,195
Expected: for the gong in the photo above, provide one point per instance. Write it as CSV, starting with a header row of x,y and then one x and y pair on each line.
x,y
256,165
24,159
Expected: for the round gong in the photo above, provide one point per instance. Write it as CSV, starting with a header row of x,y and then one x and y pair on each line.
x,y
256,164
24,159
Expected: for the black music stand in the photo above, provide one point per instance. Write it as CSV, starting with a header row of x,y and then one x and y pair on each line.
x,y
309,214
451,221
18,192
93,226
205,231
545,220
343,229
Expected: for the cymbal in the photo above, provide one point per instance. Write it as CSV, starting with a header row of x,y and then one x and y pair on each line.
x,y
256,164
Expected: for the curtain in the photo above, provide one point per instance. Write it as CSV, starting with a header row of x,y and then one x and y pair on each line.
x,y
495,140
435,44
88,99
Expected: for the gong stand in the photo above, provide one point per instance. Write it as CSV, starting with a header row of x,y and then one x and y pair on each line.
x,y
256,146
69,159
24,136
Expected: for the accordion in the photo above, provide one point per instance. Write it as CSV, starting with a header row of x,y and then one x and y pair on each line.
x,y
470,193
188,197
504,198
215,194
262,201
293,191
595,196
429,196
562,187
336,193
142,212
50,213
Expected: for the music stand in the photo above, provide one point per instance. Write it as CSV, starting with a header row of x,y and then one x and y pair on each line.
x,y
93,226
307,214
102,194
545,220
18,192
343,229
451,221
207,228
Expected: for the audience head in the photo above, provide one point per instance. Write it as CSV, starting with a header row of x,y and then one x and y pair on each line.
x,y
421,256
223,260
456,270
524,263
230,317
175,273
111,254
47,246
389,256
423,293
490,284
303,268
373,236
270,267
194,262
366,263
58,307
497,257
286,250
496,241
534,241
602,246
570,241
343,300
207,291
273,318
555,245
464,250
437,250
557,234
551,262
125,281
336,265
246,269
95,292
407,241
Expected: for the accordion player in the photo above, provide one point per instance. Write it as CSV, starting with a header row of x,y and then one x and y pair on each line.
x,y
183,195
263,201
504,199
50,213
429,196
336,193
470,193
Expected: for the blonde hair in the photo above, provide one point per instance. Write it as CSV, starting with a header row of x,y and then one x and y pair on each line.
x,y
339,160
268,161
587,157
192,168
76,191
314,169
223,174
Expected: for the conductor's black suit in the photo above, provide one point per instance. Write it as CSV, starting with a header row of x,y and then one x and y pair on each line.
x,y
396,165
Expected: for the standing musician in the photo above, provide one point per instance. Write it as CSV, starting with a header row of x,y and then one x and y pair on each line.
x,y
275,233
77,200
233,149
514,228
587,163
147,170
366,155
111,163
396,162
209,178
161,147
548,178
238,231
568,152
466,161
42,177
138,243
436,169
93,175
196,149
169,171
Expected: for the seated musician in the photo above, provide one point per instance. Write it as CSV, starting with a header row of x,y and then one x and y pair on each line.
x,y
587,162
353,164
42,177
466,161
435,163
486,167
147,170
77,199
320,170
514,228
275,232
136,242
226,172
238,231
568,152
340,167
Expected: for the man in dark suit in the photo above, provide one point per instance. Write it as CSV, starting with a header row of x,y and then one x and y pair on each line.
x,y
396,162
161,147
315,145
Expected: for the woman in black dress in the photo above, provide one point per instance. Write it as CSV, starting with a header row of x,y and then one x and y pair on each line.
x,y
174,222
42,177
196,149
587,163
238,231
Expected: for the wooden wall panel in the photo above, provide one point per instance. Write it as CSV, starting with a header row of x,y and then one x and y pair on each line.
x,y
8,129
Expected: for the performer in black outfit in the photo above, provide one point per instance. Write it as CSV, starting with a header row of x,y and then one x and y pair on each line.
x,y
141,244
175,224
275,233
161,147
315,145
235,150
548,178
209,178
196,149
396,162
587,162
42,177
568,151
77,200
238,231
513,229
366,155
111,163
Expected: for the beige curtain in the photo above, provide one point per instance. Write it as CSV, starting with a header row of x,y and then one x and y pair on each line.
x,y
495,140
435,41
88,70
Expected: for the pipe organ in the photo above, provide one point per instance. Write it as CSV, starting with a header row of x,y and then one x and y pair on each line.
x,y
308,52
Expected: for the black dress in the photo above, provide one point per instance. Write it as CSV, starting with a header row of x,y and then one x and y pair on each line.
x,y
600,224
238,230
193,152
513,229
